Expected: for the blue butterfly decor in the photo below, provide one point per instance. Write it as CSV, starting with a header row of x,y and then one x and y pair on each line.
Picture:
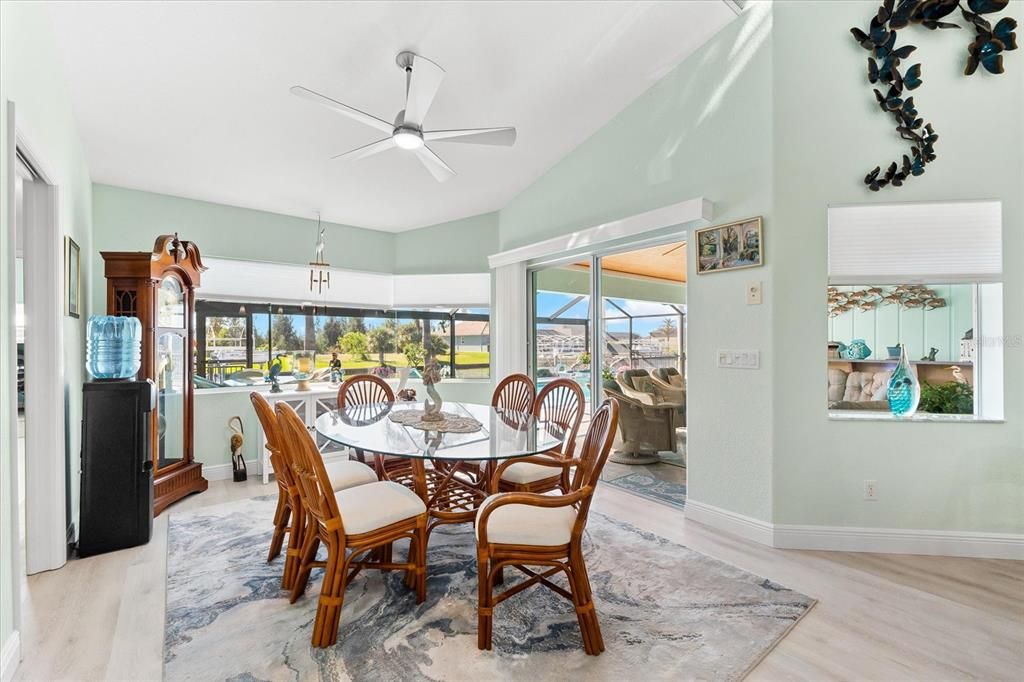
x,y
883,69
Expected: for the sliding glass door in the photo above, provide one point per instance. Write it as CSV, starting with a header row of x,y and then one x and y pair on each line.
x,y
561,333
638,329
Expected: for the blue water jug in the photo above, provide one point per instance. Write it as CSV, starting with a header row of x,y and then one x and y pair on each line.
x,y
113,347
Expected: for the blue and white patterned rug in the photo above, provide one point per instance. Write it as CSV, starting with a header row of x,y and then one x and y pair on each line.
x,y
666,612
653,488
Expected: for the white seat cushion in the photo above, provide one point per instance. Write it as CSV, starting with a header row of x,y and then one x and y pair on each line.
x,y
523,524
528,472
365,508
344,473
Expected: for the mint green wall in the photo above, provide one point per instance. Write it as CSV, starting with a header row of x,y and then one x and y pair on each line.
x,y
573,281
703,130
456,246
130,220
919,329
31,77
828,132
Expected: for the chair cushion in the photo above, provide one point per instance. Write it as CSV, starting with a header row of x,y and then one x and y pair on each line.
x,y
676,380
644,384
523,524
365,508
528,472
344,473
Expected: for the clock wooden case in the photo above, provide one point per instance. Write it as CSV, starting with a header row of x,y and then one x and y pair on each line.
x,y
158,287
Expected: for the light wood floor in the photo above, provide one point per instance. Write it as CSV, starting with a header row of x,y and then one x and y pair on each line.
x,y
879,617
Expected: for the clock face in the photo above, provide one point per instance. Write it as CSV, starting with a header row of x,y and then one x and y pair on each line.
x,y
171,304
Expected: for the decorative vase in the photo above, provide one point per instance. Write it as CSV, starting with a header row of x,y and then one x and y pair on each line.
x,y
403,378
857,350
303,370
904,392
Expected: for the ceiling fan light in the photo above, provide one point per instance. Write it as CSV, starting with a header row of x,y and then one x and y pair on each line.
x,y
407,139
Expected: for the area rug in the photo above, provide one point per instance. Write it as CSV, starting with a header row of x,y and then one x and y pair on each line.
x,y
652,487
666,612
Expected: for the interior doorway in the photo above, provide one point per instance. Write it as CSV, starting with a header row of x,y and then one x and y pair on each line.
x,y
38,401
23,174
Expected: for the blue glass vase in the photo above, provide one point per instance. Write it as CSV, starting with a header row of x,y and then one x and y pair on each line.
x,y
904,392
113,347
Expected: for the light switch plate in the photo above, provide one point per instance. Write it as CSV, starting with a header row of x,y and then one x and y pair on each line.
x,y
739,359
753,293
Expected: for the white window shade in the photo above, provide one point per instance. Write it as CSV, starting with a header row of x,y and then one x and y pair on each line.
x,y
935,242
238,280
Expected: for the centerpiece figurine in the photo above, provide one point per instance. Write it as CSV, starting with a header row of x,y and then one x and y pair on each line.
x,y
432,404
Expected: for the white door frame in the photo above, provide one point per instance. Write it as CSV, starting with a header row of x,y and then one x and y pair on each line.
x,y
45,459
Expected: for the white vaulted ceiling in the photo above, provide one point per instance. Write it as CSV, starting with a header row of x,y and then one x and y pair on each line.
x,y
191,99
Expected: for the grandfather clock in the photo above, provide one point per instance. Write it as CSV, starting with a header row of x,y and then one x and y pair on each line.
x,y
158,287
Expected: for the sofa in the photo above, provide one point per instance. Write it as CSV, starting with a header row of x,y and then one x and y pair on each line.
x,y
857,390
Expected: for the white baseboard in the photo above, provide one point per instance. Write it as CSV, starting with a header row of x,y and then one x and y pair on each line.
x,y
901,541
10,656
225,472
746,527
979,545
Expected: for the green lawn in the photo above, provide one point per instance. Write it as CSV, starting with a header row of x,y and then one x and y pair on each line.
x,y
398,360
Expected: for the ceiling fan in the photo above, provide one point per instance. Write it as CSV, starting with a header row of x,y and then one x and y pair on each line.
x,y
422,79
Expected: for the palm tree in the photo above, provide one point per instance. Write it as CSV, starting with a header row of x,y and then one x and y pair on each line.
x,y
382,337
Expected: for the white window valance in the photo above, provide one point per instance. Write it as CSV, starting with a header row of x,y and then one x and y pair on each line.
x,y
240,280
934,242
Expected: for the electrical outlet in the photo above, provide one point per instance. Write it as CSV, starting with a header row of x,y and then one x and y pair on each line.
x,y
871,490
753,293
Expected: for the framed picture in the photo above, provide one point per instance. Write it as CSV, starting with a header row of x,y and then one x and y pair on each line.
x,y
730,247
72,278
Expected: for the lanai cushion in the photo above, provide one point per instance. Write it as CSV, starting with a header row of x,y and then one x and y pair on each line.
x,y
345,473
365,508
528,472
523,524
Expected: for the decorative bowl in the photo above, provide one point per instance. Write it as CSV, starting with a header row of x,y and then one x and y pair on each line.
x,y
856,350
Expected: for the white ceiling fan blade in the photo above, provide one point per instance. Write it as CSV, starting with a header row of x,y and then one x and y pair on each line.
x,y
367,150
423,83
361,116
503,137
438,168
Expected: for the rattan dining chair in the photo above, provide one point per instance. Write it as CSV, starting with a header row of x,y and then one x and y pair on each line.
x,y
559,406
288,516
529,529
356,525
514,392
368,389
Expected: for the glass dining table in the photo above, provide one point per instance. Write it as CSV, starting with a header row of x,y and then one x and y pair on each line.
x,y
449,470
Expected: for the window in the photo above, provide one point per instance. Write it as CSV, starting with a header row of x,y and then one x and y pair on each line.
x,y
925,277
237,342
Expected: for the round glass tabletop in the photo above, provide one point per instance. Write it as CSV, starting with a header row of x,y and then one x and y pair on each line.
x,y
503,433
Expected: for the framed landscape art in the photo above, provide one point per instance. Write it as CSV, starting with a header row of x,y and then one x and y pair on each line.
x,y
730,247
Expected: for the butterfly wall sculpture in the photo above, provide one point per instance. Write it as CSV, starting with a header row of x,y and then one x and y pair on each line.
x,y
986,50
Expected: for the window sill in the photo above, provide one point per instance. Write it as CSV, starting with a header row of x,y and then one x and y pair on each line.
x,y
882,416
322,387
